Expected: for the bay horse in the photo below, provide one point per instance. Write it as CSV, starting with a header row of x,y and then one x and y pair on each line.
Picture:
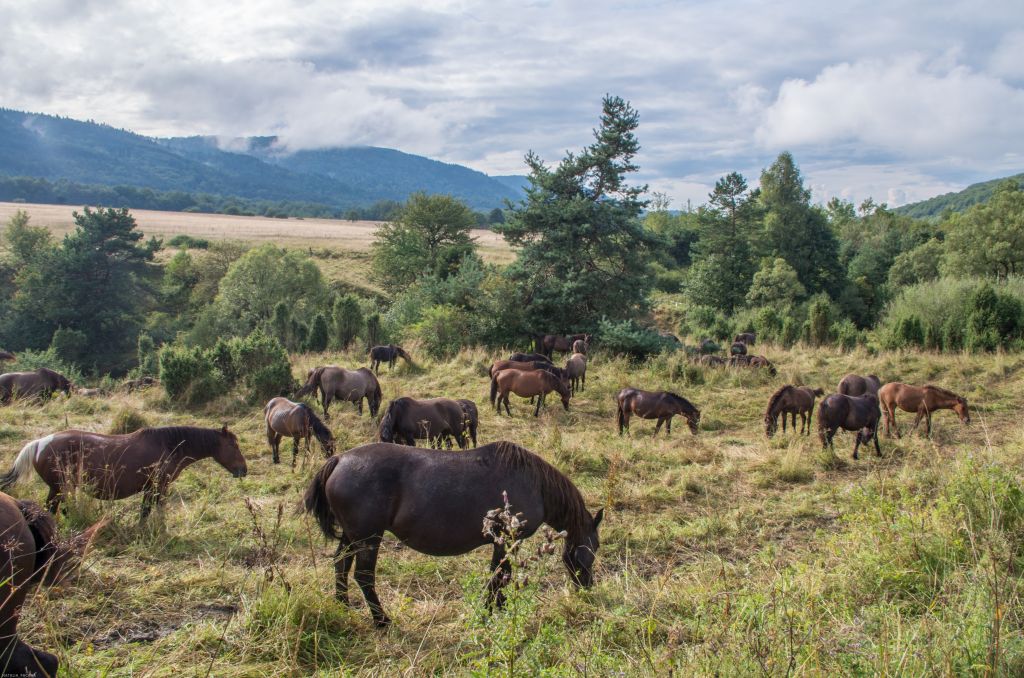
x,y
470,418
41,383
119,466
434,419
747,338
297,421
549,343
791,400
334,382
576,372
660,405
435,501
850,413
922,400
527,384
388,354
529,358
856,385
32,554
499,365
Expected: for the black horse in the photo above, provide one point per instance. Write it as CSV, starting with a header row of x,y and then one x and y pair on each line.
x,y
435,503
387,354
850,413
529,358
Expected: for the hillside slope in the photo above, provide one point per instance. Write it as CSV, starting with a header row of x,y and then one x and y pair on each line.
x,y
957,202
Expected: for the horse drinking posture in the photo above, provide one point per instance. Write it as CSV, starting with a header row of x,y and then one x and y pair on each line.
x,y
850,413
435,503
388,354
41,383
349,385
32,554
660,405
791,400
576,371
920,399
434,420
856,385
527,384
118,466
297,421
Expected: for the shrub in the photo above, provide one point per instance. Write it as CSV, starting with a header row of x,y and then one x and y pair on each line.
x,y
69,345
348,320
149,363
187,242
373,333
628,338
442,331
189,374
318,334
819,321
127,420
846,334
261,363
994,320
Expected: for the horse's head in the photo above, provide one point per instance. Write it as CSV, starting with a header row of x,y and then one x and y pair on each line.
x,y
865,435
229,454
818,392
581,550
564,390
693,420
23,660
961,409
770,425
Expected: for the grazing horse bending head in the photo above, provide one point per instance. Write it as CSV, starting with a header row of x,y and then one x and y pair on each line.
x,y
850,413
922,400
297,421
790,400
660,405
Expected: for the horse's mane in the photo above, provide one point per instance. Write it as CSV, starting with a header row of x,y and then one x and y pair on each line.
x,y
44,533
396,408
681,401
942,391
198,440
562,500
312,382
776,397
322,432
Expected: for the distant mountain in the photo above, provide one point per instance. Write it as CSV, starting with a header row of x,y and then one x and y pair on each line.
x,y
956,202
54,148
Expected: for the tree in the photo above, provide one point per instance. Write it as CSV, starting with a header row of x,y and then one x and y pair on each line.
x,y
496,216
796,231
582,250
430,236
348,319
25,241
920,264
988,239
775,285
319,335
723,265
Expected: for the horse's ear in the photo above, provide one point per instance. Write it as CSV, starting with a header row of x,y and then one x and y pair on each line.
x,y
598,516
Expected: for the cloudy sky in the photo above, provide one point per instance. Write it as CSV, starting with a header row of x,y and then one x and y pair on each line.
x,y
895,100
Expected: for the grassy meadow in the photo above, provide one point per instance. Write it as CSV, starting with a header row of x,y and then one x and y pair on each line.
x,y
722,554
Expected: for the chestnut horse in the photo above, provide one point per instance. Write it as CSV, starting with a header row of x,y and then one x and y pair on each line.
x,y
435,501
660,405
433,419
920,399
41,383
351,385
856,385
118,466
32,554
576,372
791,400
297,421
388,354
528,384
850,413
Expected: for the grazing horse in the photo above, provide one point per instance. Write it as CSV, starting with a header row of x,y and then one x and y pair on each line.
x,y
433,419
527,384
856,385
6,356
549,343
349,385
758,361
791,400
660,405
920,399
470,419
529,358
576,371
581,346
32,554
711,361
850,413
388,354
138,384
499,365
747,338
435,502
118,466
738,348
297,421
41,383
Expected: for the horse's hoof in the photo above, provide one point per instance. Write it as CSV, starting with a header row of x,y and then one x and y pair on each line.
x,y
382,622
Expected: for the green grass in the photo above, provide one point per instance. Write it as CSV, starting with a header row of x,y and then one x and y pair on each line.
x,y
725,553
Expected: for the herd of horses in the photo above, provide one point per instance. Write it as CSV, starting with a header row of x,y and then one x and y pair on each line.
x,y
431,500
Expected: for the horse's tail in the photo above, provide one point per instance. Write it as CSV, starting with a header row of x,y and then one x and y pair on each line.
x,y
314,501
621,416
378,395
55,559
494,387
390,420
22,465
311,383
823,410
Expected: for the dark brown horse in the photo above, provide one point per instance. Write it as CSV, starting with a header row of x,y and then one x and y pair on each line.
x,y
388,354
856,385
32,554
660,405
738,348
435,420
711,361
435,503
118,466
747,338
41,383
297,421
549,343
922,400
334,382
791,400
753,361
527,384
850,413
529,358
576,372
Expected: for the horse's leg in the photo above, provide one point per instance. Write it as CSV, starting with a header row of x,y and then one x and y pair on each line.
x,y
536,411
784,417
501,571
343,558
275,448
53,499
295,449
325,403
507,410
668,426
878,450
917,419
366,566
928,418
661,420
149,500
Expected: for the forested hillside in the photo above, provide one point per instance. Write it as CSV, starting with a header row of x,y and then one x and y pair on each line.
x,y
955,202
